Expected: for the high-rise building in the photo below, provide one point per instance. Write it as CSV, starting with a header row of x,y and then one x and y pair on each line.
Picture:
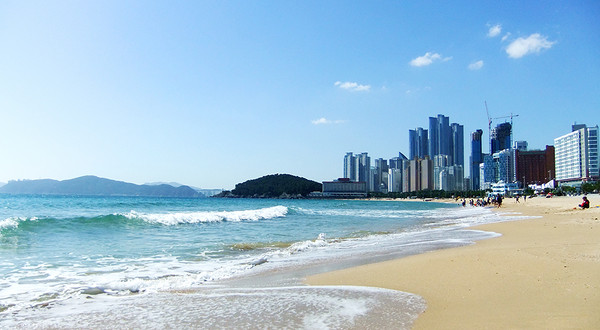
x,y
380,175
457,146
363,168
440,165
418,143
576,155
476,157
395,180
439,136
505,168
487,176
350,166
398,162
427,174
420,174
446,139
500,138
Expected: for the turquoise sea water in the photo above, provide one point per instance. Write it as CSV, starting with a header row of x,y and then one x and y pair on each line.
x,y
79,261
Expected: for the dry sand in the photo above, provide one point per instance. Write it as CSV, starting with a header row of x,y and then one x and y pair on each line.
x,y
542,273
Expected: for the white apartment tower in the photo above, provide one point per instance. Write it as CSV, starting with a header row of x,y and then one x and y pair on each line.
x,y
576,154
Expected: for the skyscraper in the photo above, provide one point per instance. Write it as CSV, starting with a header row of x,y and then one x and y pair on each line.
x,y
363,168
457,146
381,175
504,161
420,174
476,157
576,154
487,176
500,138
439,136
418,143
350,167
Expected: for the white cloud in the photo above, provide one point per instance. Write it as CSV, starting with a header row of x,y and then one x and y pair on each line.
x,y
428,58
352,86
494,31
476,65
535,43
506,36
325,121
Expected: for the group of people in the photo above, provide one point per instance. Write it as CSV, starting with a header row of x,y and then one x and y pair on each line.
x,y
496,201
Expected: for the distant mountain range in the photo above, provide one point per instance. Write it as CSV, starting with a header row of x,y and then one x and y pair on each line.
x,y
95,186
205,192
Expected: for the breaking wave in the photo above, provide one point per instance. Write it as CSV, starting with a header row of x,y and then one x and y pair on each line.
x,y
210,216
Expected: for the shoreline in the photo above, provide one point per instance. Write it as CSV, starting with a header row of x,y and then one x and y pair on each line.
x,y
541,273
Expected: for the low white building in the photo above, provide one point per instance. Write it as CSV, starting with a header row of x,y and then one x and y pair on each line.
x,y
344,188
504,189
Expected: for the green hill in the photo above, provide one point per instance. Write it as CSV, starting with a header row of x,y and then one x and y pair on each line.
x,y
274,186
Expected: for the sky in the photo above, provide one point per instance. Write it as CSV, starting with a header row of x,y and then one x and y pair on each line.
x,y
214,93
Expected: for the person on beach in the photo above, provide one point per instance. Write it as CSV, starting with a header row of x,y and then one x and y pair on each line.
x,y
585,204
499,200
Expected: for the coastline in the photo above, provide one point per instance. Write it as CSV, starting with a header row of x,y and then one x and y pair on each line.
x,y
541,273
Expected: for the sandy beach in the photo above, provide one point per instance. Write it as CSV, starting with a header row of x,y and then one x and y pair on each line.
x,y
542,273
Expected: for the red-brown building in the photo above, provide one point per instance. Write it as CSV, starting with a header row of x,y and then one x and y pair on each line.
x,y
535,166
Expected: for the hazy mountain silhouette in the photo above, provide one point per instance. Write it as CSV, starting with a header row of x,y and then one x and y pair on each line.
x,y
95,186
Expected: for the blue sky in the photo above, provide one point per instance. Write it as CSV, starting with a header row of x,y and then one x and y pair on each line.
x,y
213,93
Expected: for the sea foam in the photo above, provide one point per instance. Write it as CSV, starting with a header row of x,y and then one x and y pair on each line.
x,y
14,222
211,216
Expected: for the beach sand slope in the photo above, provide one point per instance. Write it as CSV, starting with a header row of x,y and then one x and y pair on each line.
x,y
542,273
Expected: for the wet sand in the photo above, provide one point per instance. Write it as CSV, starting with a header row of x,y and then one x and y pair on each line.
x,y
542,273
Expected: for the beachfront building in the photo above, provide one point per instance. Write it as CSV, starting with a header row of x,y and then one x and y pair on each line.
x,y
504,166
487,174
534,166
396,173
380,175
395,180
576,155
350,166
344,188
450,178
440,164
420,174
506,189
357,168
476,158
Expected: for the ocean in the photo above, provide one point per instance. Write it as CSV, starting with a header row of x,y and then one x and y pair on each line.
x,y
135,262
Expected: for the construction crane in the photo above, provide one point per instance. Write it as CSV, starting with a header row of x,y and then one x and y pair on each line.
x,y
489,124
490,119
511,118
